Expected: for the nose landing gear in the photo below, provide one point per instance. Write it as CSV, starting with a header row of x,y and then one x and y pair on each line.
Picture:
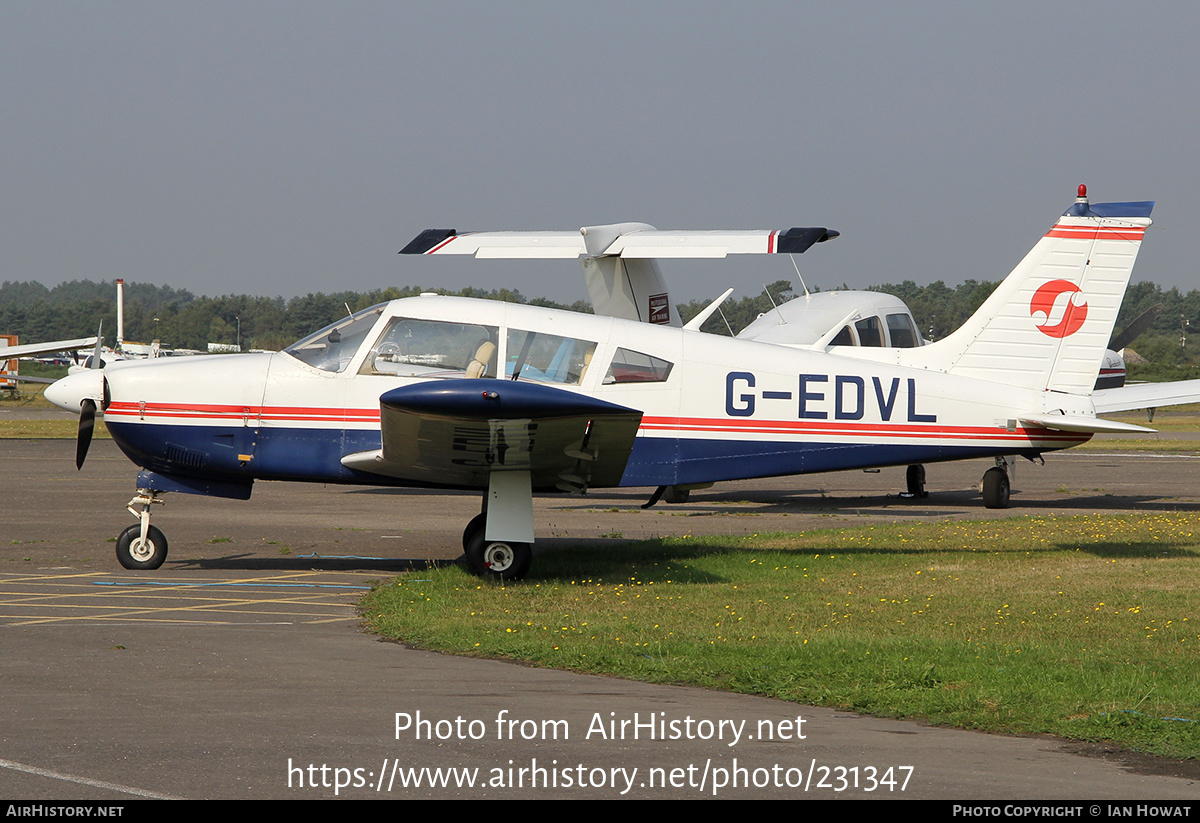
x,y
142,546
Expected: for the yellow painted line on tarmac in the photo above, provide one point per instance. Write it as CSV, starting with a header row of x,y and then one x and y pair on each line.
x,y
201,596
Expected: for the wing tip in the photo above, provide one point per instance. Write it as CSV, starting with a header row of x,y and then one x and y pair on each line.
x,y
427,240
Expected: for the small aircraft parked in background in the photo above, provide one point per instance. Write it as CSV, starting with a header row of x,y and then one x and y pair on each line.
x,y
9,354
510,399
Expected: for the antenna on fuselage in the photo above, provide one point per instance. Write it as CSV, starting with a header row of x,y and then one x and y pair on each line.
x,y
800,276
774,305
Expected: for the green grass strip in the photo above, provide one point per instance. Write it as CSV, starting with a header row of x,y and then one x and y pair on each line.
x,y
1084,627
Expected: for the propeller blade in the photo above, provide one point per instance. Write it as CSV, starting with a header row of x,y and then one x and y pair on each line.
x,y
1139,325
87,424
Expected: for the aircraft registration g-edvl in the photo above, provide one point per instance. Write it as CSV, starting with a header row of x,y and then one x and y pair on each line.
x,y
508,399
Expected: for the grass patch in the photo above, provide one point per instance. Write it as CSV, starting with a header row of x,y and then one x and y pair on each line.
x,y
1083,627
48,429
32,399
1149,443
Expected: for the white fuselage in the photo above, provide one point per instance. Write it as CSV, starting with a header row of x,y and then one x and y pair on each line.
x,y
713,408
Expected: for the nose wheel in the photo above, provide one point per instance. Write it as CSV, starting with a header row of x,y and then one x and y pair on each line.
x,y
142,546
137,552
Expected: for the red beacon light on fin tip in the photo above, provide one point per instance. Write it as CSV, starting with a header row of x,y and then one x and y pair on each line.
x,y
1082,191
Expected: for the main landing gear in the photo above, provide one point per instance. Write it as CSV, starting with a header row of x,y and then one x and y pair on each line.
x,y
914,478
995,485
498,542
142,546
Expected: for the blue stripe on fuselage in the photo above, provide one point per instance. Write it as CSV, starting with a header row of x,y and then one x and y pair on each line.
x,y
314,455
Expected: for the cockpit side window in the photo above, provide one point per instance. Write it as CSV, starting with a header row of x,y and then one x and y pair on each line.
x,y
843,338
870,331
630,366
431,348
548,358
902,331
333,347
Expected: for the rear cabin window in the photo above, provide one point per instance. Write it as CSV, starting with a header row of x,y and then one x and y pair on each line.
x,y
902,331
630,366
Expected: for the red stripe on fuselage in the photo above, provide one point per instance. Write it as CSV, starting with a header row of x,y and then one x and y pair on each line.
x,y
299,415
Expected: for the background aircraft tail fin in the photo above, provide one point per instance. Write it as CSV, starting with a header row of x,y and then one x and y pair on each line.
x,y
1048,323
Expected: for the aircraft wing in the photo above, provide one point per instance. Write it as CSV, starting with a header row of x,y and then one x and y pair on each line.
x,y
518,245
22,378
620,260
457,432
1146,396
627,240
9,352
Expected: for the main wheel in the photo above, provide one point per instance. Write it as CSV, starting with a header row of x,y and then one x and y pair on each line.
x,y
498,559
476,524
914,478
674,494
995,488
134,553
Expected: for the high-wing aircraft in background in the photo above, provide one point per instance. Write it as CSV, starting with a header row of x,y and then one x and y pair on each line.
x,y
8,353
510,399
623,279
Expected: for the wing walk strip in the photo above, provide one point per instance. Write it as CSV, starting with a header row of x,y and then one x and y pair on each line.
x,y
371,417
93,604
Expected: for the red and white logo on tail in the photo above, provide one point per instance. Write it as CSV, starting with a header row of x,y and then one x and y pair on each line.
x,y
1047,325
1059,308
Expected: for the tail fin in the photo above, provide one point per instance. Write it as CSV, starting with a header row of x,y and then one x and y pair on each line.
x,y
1048,324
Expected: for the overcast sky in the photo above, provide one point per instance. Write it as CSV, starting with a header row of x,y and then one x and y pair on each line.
x,y
283,148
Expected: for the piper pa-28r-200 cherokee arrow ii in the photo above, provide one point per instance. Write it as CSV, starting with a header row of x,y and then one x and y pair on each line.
x,y
458,393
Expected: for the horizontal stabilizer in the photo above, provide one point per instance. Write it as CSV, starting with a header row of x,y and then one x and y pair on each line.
x,y
1083,423
457,432
1146,396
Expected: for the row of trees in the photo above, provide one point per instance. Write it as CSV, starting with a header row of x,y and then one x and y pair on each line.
x,y
182,320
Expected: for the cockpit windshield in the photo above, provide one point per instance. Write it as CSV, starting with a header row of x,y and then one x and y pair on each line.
x,y
333,347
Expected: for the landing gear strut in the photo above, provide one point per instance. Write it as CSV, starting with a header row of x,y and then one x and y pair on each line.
x,y
508,516
142,546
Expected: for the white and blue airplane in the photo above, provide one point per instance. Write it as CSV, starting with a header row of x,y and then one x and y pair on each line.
x,y
510,400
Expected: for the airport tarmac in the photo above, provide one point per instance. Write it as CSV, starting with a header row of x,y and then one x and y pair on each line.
x,y
238,670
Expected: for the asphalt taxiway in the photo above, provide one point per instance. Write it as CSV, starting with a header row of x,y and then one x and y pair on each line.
x,y
238,669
